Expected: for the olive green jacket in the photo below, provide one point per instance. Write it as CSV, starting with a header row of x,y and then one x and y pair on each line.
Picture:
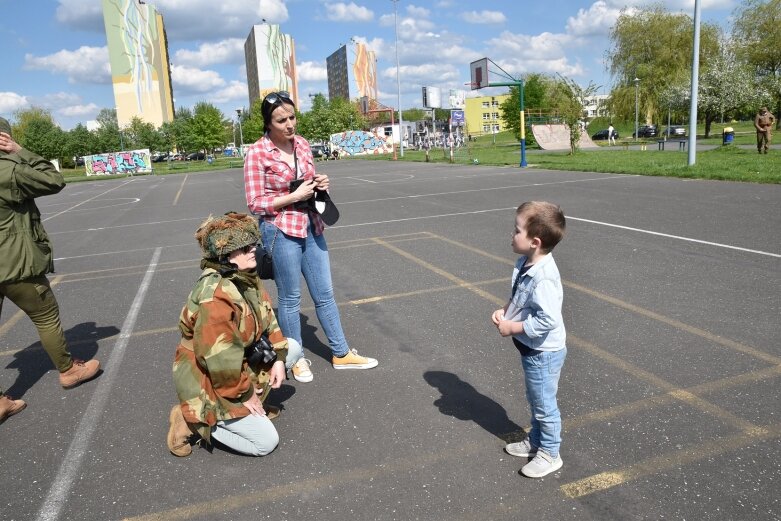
x,y
25,250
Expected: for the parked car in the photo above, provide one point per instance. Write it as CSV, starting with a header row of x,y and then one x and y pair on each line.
x,y
602,135
200,156
159,157
645,131
319,151
674,131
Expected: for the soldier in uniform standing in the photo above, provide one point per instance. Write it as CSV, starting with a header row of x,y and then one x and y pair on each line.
x,y
764,124
26,258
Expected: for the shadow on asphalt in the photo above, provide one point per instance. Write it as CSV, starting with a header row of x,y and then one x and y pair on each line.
x,y
33,362
462,401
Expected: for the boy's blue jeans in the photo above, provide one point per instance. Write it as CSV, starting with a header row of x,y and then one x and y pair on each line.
x,y
541,374
292,257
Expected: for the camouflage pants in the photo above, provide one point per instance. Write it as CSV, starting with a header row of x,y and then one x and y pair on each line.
x,y
763,140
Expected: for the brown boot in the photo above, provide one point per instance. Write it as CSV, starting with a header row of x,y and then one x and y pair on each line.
x,y
179,433
79,372
9,407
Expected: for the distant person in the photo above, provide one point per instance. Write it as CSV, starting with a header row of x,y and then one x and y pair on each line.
x,y
279,174
764,125
611,135
221,376
532,317
26,258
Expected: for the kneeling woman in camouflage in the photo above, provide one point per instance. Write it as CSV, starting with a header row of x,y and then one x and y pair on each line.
x,y
221,371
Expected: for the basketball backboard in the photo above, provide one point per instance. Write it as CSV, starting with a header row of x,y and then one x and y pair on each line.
x,y
479,71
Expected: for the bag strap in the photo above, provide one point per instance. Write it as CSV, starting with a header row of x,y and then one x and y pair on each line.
x,y
273,241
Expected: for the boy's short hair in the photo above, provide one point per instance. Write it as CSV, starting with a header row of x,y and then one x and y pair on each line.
x,y
544,220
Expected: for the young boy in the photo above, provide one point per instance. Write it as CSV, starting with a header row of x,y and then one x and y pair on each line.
x,y
533,318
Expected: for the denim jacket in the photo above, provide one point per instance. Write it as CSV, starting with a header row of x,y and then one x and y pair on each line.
x,y
537,303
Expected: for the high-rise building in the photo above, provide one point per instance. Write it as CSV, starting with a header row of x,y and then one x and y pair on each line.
x,y
271,62
358,80
138,55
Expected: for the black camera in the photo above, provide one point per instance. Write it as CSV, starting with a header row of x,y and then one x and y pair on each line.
x,y
260,352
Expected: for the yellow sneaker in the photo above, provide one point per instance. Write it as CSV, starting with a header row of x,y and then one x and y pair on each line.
x,y
302,372
352,360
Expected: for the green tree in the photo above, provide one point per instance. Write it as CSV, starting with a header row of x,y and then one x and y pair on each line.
x,y
107,134
44,138
140,134
207,127
180,130
569,99
757,32
80,142
536,102
23,118
655,46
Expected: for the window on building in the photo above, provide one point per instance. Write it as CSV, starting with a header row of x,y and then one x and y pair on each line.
x,y
486,128
497,128
486,116
495,115
494,103
486,105
388,131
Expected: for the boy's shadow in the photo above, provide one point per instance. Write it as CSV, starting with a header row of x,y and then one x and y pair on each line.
x,y
33,362
460,400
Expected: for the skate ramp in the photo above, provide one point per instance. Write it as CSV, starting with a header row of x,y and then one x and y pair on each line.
x,y
556,137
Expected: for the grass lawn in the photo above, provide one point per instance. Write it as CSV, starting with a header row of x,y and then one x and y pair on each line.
x,y
75,175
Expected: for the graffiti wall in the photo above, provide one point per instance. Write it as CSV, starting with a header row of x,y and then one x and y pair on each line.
x,y
360,142
116,163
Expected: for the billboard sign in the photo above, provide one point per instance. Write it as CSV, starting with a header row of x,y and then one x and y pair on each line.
x,y
432,98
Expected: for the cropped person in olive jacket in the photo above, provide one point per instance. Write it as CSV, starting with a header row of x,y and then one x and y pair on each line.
x,y
26,258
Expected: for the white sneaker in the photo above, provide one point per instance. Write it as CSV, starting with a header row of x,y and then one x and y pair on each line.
x,y
301,370
521,449
542,465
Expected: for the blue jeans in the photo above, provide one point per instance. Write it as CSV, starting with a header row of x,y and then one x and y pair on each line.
x,y
541,373
250,435
292,257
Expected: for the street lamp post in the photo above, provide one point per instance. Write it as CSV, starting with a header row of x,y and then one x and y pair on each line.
x,y
637,106
241,133
398,76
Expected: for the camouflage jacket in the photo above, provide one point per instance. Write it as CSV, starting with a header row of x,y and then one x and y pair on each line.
x,y
222,315
25,250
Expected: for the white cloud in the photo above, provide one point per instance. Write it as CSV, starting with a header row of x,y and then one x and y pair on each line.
x,y
90,109
426,74
545,52
484,17
225,51
84,65
597,20
81,13
10,102
418,12
235,91
189,80
311,71
341,12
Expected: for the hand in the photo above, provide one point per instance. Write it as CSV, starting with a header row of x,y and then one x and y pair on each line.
x,y
322,182
305,191
8,145
497,316
277,374
254,405
509,327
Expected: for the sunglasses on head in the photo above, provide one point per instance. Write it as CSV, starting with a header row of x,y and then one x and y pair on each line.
x,y
276,98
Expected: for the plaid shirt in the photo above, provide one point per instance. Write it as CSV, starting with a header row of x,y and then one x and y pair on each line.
x,y
267,176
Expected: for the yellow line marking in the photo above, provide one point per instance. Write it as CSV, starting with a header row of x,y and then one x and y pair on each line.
x,y
176,199
668,460
19,314
217,508
737,346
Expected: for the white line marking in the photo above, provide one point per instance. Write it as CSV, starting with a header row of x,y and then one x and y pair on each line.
x,y
79,446
85,201
122,251
680,238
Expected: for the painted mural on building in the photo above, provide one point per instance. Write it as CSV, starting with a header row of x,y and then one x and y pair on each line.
x,y
138,57
271,62
365,71
360,142
117,163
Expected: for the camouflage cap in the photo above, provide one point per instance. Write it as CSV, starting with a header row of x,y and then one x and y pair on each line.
x,y
218,236
5,126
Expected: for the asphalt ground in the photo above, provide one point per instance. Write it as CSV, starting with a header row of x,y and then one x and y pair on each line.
x,y
670,393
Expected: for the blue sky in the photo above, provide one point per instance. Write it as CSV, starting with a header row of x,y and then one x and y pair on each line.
x,y
55,50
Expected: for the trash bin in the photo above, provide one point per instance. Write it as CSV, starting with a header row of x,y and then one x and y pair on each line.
x,y
727,136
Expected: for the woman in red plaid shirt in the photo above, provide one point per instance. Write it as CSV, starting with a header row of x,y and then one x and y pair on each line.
x,y
292,232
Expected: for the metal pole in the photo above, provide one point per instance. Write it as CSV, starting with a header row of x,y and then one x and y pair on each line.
x,y
637,89
241,134
523,127
695,81
398,77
